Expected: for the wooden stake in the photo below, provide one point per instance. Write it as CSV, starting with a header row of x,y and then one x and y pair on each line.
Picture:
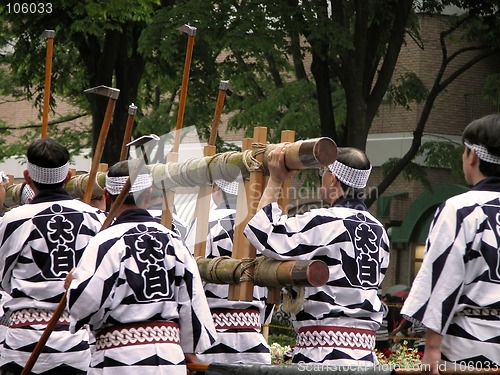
x,y
205,191
274,294
244,249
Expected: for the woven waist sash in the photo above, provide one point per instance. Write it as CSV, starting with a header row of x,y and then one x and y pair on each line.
x,y
479,311
137,334
236,318
338,337
27,317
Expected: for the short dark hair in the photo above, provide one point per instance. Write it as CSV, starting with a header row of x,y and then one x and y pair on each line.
x,y
357,159
121,169
485,131
47,153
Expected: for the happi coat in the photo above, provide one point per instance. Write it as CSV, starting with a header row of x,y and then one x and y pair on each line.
x,y
336,323
139,273
40,243
456,291
238,323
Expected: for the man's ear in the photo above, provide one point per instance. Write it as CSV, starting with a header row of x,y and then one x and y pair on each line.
x,y
335,180
107,197
27,177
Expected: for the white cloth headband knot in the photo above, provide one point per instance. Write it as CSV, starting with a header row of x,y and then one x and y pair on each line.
x,y
356,178
483,154
48,176
27,194
114,185
228,187
3,177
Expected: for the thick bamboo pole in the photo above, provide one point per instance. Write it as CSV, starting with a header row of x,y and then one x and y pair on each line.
x,y
304,154
268,272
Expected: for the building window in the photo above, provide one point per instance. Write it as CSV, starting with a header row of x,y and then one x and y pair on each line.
x,y
419,257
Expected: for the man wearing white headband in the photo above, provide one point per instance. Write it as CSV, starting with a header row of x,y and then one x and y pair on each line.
x,y
40,243
455,293
139,289
245,343
335,323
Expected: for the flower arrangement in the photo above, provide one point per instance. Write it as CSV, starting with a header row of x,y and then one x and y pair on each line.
x,y
278,354
402,357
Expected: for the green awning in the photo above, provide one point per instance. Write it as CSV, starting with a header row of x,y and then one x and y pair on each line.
x,y
415,225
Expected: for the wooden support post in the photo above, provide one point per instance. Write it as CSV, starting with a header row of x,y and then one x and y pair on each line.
x,y
244,250
274,294
205,191
242,218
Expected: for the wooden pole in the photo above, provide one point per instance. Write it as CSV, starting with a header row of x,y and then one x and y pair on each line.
x,y
113,96
242,218
245,250
49,34
127,136
173,155
205,191
274,294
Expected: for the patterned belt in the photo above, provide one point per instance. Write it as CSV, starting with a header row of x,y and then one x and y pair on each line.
x,y
236,318
27,317
338,337
479,311
137,334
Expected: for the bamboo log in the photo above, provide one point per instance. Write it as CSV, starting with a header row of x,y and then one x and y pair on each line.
x,y
268,272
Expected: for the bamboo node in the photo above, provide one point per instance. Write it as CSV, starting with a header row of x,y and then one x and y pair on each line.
x,y
212,267
266,271
222,165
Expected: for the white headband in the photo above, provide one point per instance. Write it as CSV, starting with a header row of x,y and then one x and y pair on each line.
x,y
48,176
483,154
356,178
228,187
114,185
